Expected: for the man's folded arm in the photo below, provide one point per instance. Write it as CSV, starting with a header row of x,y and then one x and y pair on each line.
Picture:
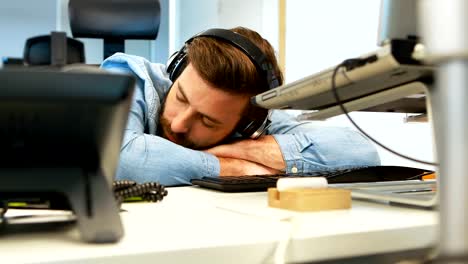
x,y
303,147
263,151
145,158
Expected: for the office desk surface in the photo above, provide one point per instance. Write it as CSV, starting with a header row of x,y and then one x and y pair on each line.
x,y
194,225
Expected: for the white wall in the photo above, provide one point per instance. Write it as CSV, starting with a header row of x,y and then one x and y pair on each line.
x,y
192,17
22,19
321,34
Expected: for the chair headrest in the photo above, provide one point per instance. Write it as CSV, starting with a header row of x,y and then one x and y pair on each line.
x,y
114,19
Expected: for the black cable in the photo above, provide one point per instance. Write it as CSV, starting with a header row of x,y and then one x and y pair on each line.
x,y
351,63
420,176
122,185
149,191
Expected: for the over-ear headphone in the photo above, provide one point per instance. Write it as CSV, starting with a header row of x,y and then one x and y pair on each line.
x,y
252,126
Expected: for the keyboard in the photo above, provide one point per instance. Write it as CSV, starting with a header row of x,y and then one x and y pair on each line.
x,y
256,183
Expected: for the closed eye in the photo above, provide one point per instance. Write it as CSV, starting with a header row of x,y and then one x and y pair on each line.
x,y
207,122
181,98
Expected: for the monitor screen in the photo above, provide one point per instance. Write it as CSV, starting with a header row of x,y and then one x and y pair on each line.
x,y
53,119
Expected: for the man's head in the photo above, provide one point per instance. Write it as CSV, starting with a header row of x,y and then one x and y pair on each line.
x,y
209,99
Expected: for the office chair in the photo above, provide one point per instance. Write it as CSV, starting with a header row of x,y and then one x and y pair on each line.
x,y
114,21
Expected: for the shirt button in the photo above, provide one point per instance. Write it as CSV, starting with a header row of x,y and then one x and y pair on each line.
x,y
294,169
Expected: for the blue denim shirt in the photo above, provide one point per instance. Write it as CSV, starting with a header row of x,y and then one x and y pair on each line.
x,y
306,146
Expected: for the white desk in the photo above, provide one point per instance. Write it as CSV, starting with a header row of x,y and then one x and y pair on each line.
x,y
194,225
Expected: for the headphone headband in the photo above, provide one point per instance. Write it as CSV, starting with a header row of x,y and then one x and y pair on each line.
x,y
256,56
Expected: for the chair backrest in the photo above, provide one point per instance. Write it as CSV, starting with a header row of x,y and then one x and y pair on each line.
x,y
114,21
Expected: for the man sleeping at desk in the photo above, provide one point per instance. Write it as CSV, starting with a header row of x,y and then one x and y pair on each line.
x,y
192,118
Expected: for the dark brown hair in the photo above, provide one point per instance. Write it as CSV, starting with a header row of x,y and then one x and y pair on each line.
x,y
228,68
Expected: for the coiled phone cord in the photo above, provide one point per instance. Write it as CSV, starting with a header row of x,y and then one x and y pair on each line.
x,y
149,191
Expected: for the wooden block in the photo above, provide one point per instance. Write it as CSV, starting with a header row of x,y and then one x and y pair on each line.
x,y
310,199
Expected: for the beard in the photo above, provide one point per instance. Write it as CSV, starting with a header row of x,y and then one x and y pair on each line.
x,y
164,128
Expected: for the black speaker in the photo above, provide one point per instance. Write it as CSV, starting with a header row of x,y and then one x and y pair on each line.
x,y
55,49
255,124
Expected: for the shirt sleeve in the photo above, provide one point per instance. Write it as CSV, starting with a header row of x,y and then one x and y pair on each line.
x,y
146,157
309,146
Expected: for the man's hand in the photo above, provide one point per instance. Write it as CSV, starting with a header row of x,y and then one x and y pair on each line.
x,y
236,167
262,151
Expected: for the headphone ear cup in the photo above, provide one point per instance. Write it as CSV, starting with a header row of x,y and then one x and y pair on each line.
x,y
169,63
254,124
254,128
176,64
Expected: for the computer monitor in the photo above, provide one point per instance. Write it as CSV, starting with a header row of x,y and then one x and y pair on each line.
x,y
61,132
398,19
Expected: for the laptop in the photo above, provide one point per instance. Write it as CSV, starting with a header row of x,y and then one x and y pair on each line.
x,y
412,193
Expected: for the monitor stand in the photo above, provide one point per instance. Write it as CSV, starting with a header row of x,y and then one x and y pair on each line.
x,y
89,196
